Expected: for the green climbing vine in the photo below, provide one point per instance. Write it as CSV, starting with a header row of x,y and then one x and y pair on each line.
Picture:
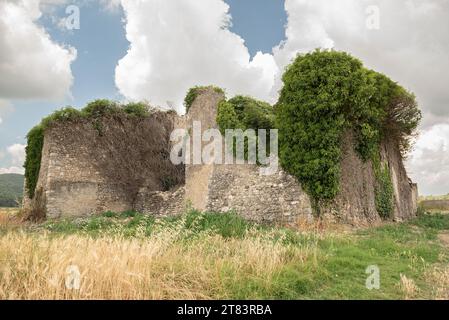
x,y
326,94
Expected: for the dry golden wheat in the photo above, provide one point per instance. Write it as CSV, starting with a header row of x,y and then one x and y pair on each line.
x,y
38,266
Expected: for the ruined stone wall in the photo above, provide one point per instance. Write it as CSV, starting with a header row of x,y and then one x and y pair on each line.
x,y
263,198
198,177
405,191
240,188
121,164
280,197
161,203
356,200
92,166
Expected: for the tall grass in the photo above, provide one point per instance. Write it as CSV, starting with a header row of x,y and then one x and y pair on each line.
x,y
210,256
176,262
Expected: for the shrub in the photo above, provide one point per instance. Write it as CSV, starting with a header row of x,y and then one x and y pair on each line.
x,y
193,93
65,114
246,113
33,157
322,91
137,109
396,111
325,94
227,117
100,108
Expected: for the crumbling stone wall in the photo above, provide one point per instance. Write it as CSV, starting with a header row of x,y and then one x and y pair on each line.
x,y
161,203
274,198
405,191
225,187
92,166
123,164
280,197
198,177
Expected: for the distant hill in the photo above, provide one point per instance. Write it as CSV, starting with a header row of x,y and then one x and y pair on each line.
x,y
430,198
11,189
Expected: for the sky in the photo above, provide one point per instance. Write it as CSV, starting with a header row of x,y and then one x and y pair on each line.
x,y
155,50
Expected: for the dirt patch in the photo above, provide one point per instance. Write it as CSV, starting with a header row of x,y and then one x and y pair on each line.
x,y
444,238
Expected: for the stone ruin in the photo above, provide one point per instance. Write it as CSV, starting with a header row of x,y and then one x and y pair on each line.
x,y
128,167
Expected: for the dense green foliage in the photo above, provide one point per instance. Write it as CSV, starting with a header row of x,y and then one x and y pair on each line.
x,y
137,109
384,192
325,94
246,113
33,157
94,111
193,93
11,189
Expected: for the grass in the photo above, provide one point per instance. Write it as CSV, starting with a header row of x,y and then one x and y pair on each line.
x,y
219,256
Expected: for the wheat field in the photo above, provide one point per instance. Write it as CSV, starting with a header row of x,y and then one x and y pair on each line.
x,y
38,266
209,256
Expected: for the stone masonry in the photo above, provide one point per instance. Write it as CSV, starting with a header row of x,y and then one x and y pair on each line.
x,y
127,167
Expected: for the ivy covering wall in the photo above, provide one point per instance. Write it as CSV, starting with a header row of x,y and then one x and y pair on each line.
x,y
326,93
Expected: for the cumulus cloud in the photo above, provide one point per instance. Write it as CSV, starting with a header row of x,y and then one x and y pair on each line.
x,y
16,153
410,44
429,162
5,108
175,45
32,65
17,170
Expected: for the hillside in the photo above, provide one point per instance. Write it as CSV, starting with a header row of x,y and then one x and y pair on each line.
x,y
11,189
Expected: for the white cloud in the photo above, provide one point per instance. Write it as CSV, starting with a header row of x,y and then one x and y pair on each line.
x,y
179,44
110,5
5,108
17,153
32,65
410,45
16,170
429,162
175,46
